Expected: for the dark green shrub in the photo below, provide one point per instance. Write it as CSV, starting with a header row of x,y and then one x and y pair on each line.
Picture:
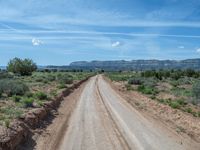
x,y
181,102
51,78
150,82
147,90
41,95
136,81
7,123
128,87
22,67
62,86
175,105
6,75
16,98
28,102
10,112
189,110
12,87
65,78
53,93
29,94
39,79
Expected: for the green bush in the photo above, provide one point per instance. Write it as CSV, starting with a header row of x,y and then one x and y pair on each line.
x,y
128,87
150,82
16,98
189,110
5,75
12,87
136,81
39,79
181,102
51,78
29,94
61,86
41,96
10,112
28,102
147,90
175,105
53,93
22,67
65,78
7,123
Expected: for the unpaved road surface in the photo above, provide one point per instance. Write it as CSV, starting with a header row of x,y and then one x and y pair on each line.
x,y
103,120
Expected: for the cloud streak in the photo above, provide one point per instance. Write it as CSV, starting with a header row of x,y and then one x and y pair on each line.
x,y
61,34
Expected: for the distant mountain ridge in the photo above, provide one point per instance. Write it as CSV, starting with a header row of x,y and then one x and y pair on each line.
x,y
138,64
116,65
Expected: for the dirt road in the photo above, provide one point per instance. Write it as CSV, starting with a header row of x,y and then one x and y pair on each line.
x,y
102,120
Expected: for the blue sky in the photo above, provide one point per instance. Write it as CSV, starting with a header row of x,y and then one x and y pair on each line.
x,y
61,31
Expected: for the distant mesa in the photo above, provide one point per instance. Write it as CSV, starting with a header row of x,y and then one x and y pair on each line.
x,y
134,65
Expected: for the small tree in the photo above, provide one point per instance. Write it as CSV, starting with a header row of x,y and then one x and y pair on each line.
x,y
22,67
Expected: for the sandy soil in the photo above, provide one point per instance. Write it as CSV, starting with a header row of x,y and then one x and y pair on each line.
x,y
97,117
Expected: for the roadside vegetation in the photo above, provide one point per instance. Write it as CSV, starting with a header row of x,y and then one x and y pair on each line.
x,y
22,87
179,89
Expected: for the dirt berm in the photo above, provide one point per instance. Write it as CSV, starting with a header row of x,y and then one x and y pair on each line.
x,y
20,129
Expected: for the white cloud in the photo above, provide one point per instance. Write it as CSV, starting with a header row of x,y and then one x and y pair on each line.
x,y
181,47
36,42
116,44
198,50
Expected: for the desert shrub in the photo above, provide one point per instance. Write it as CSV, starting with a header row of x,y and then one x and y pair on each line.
x,y
6,75
176,75
10,112
181,92
12,87
128,87
65,78
120,76
61,86
41,96
174,83
16,98
22,67
185,80
147,90
7,123
196,92
51,77
189,110
29,94
175,105
136,81
150,82
181,102
39,79
53,93
28,102
190,73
